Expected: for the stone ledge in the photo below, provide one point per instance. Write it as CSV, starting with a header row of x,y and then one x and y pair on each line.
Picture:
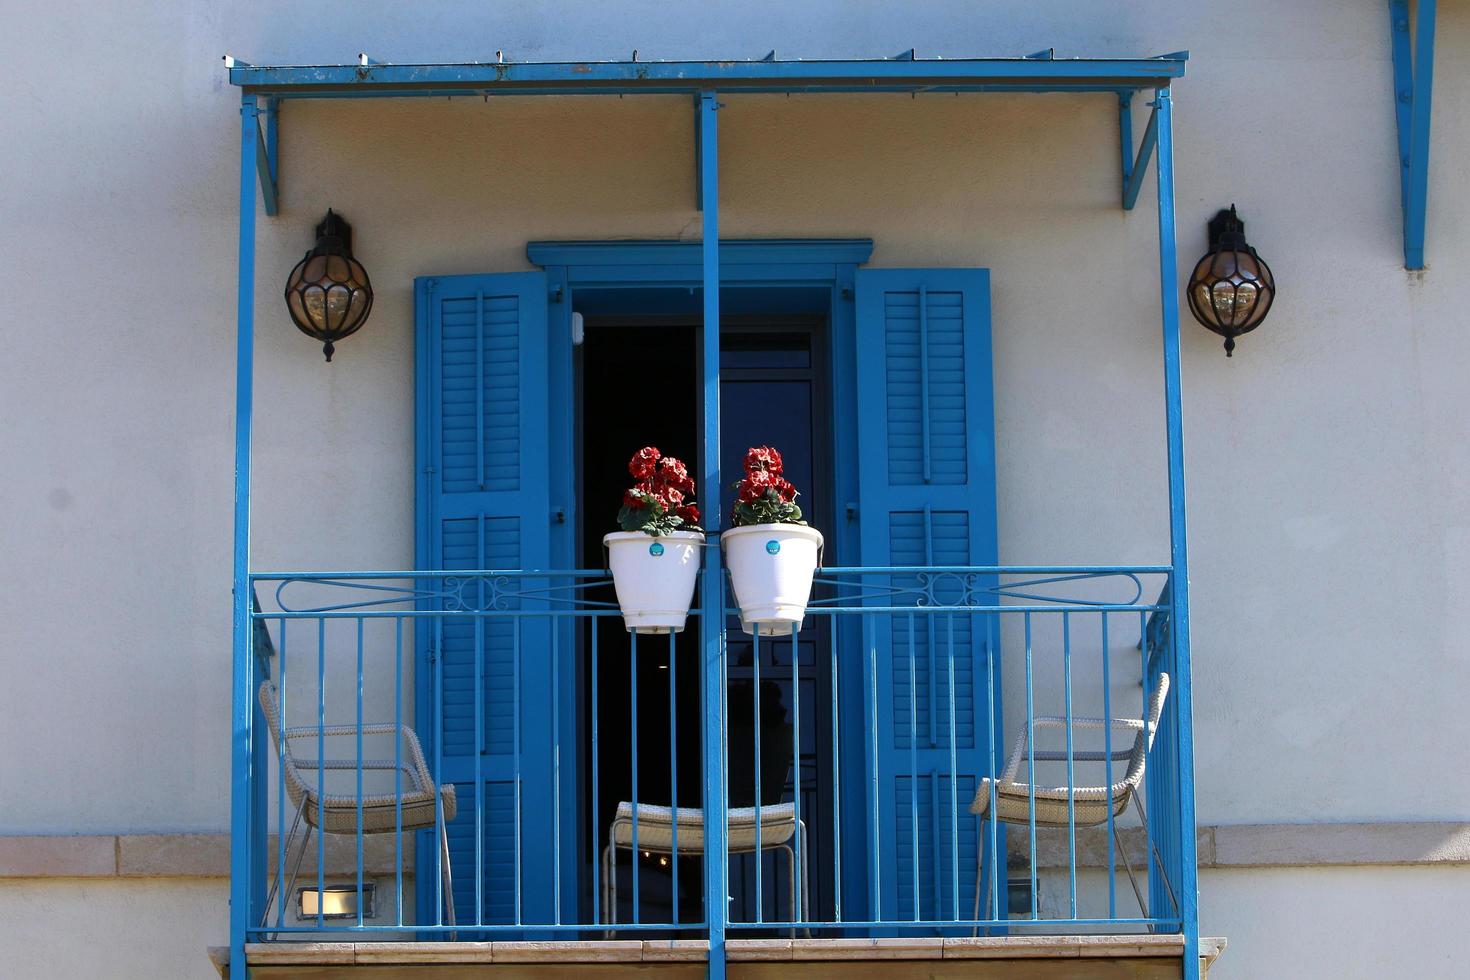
x,y
176,856
1340,844
1227,846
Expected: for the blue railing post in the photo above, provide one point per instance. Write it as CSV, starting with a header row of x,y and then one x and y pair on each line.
x,y
712,611
1187,890
242,711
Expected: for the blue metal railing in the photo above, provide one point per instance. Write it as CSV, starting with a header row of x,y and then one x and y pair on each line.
x,y
883,739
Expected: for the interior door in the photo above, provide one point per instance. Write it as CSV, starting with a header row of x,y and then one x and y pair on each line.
x,y
773,392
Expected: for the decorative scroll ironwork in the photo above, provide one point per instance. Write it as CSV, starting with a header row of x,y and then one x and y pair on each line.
x,y
442,592
968,588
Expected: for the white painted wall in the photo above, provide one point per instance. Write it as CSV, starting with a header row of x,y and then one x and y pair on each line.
x,y
1346,924
1329,468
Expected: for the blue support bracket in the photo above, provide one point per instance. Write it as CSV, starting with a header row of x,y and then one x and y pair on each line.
x,y
1134,168
267,159
1413,83
699,151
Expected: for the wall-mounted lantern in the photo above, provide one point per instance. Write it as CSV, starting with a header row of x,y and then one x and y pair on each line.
x,y
328,293
1231,289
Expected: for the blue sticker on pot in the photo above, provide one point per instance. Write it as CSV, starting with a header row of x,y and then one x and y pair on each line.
x,y
655,549
773,547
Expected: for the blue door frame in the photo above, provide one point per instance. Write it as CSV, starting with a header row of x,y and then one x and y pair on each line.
x,y
753,274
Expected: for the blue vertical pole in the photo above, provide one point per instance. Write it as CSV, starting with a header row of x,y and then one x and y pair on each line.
x,y
1188,889
1417,192
241,699
712,612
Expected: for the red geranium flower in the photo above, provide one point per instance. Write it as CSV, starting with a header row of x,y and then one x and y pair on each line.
x,y
763,458
643,462
754,486
663,491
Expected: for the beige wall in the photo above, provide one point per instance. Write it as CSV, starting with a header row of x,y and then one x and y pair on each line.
x,y
1328,460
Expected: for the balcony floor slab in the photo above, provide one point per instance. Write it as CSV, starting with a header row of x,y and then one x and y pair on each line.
x,y
1128,957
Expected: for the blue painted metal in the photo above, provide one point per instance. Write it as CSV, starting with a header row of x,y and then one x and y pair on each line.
x,y
903,595
1413,78
760,863
679,266
698,154
1125,134
484,376
695,77
659,262
1182,694
633,767
1133,179
926,486
267,157
712,586
242,696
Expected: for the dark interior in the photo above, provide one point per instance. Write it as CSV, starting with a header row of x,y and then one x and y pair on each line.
x,y
640,386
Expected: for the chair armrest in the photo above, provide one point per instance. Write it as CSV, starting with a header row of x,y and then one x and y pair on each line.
x,y
1020,753
367,764
341,731
413,753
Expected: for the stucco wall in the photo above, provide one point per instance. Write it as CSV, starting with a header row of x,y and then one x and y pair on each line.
x,y
1328,460
1297,923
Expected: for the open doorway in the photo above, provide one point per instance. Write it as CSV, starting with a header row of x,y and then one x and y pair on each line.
x,y
641,385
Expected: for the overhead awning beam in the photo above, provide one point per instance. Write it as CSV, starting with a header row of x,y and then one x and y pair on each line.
x,y
905,74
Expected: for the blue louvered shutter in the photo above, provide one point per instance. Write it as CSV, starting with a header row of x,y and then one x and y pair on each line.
x,y
484,504
926,469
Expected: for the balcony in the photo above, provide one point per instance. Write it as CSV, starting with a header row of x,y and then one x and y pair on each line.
x,y
495,760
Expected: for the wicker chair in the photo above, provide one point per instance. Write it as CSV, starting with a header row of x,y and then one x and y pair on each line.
x,y
1090,806
416,806
778,828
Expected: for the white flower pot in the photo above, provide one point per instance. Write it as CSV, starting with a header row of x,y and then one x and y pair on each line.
x,y
771,569
654,577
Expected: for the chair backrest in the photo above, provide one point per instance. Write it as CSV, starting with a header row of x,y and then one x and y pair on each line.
x,y
269,698
1145,740
1156,708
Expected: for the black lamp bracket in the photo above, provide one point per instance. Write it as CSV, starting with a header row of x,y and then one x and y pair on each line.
x,y
1226,230
332,230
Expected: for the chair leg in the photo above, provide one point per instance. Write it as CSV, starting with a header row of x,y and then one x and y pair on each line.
x,y
276,882
609,886
300,855
1163,874
790,884
806,882
1117,838
447,879
980,880
612,880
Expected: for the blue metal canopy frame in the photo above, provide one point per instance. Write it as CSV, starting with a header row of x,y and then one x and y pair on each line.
x,y
264,89
1413,82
